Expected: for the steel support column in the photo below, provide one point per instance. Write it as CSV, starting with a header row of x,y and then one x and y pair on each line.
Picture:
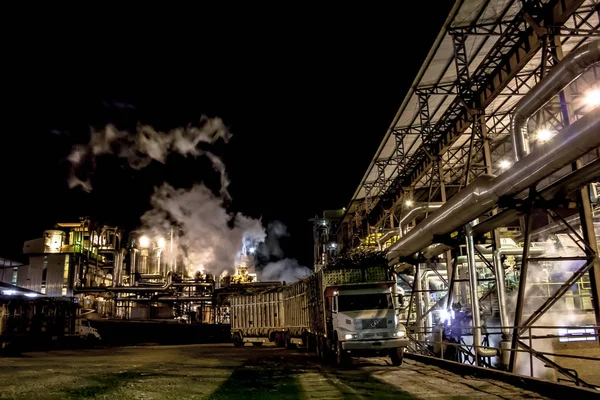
x,y
522,280
583,195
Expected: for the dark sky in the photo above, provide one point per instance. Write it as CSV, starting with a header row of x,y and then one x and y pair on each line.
x,y
307,97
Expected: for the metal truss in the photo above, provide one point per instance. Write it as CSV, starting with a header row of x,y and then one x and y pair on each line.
x,y
498,78
520,325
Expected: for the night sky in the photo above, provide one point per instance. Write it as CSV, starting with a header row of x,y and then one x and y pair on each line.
x,y
307,99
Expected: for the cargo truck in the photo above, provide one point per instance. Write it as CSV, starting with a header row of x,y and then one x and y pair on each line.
x,y
257,316
340,311
30,323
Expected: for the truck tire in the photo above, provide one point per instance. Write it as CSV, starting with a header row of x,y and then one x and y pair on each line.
x,y
322,350
318,347
257,344
397,356
288,343
279,340
306,342
237,340
342,358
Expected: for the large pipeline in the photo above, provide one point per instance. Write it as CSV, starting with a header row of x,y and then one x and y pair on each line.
x,y
484,193
574,180
429,207
569,69
131,289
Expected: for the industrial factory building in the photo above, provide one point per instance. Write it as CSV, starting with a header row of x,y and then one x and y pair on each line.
x,y
484,191
127,277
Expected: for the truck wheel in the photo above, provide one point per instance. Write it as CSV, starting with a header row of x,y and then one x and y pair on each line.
x,y
279,340
257,344
322,350
397,356
342,358
288,343
90,340
237,340
318,348
306,342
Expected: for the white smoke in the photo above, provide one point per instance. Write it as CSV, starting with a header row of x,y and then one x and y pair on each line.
x,y
541,286
275,231
208,238
283,269
145,145
287,270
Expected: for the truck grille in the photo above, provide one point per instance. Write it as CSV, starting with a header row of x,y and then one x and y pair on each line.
x,y
378,323
375,335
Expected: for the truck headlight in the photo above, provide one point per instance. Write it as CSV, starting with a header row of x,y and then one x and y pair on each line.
x,y
400,333
350,336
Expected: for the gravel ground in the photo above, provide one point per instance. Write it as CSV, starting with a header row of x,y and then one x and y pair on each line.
x,y
224,372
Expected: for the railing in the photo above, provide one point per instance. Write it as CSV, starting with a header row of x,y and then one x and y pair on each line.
x,y
436,345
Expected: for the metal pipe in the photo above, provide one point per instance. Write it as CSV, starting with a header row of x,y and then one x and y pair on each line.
x,y
484,193
184,298
570,67
475,298
418,301
119,258
386,237
501,283
426,297
564,185
132,261
429,207
132,289
151,276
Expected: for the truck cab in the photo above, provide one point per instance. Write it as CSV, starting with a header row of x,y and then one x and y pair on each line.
x,y
364,322
84,330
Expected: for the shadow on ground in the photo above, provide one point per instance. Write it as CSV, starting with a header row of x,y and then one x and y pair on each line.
x,y
301,377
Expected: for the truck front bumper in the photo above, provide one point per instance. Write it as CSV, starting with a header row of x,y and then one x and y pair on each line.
x,y
374,344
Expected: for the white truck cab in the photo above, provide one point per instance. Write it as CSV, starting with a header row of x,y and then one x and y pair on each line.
x,y
365,322
84,330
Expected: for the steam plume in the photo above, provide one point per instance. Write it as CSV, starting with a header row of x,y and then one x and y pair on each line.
x,y
146,145
208,237
275,231
287,270
283,269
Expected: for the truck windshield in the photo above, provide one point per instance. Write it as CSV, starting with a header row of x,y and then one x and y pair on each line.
x,y
374,301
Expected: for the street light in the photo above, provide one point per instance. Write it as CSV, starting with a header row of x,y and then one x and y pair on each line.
x,y
505,164
162,243
409,203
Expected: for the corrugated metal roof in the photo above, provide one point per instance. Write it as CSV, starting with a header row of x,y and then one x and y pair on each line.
x,y
439,68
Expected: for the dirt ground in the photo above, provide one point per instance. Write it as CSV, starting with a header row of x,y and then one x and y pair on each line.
x,y
224,372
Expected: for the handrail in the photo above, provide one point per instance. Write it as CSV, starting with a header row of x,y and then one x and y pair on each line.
x,y
542,355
